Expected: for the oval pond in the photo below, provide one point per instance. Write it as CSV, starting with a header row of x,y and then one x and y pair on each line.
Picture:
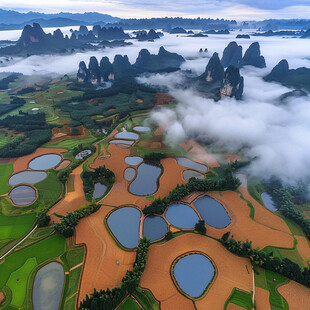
x,y
28,177
182,216
154,227
23,195
45,162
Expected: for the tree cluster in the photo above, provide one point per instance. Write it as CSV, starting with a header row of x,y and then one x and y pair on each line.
x,y
43,219
224,180
154,156
68,222
101,175
200,227
110,299
4,83
282,266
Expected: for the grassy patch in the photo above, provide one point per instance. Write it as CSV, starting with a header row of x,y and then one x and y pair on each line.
x,y
129,304
6,171
75,256
146,299
70,143
150,198
72,289
269,280
255,189
240,298
18,281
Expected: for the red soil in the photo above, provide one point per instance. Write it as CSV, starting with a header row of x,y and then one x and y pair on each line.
x,y
232,157
262,299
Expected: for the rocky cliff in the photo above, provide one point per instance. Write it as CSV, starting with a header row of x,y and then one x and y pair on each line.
x,y
232,84
253,57
232,55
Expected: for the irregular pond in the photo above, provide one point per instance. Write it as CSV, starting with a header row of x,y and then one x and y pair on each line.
x,y
154,227
99,190
133,160
23,195
268,202
187,174
124,224
45,162
193,273
182,216
146,181
127,135
212,212
142,129
122,142
28,177
82,154
129,174
48,286
188,163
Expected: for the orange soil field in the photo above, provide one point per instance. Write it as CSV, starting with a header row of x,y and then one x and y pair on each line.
x,y
231,306
263,215
243,228
58,136
21,163
303,247
262,299
162,98
101,270
2,297
232,157
73,200
232,271
139,100
199,153
296,295
64,164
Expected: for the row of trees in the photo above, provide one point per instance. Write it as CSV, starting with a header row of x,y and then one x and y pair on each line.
x,y
110,299
282,266
154,156
68,222
223,180
101,175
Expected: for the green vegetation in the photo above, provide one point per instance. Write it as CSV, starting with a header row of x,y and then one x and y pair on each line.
x,y
154,156
270,281
256,188
18,281
109,300
71,142
146,299
285,267
200,227
129,304
240,298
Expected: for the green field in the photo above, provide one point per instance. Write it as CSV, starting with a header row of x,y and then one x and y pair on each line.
x,y
48,248
74,256
18,281
6,171
146,300
70,143
240,298
129,304
269,281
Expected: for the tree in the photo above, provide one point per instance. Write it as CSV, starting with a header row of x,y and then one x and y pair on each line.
x,y
200,227
43,219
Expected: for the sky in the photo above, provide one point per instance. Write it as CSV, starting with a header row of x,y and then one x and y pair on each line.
x,y
232,9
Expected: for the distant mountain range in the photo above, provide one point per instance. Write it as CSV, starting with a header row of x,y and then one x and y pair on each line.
x,y
16,20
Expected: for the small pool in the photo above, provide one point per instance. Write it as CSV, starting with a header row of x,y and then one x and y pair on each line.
x,y
188,163
124,224
129,174
154,227
133,160
142,129
127,135
27,177
45,162
48,286
193,273
146,181
212,212
23,195
122,142
268,202
82,154
99,190
182,216
187,174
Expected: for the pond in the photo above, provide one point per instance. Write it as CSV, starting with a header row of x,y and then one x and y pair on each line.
x,y
45,162
28,177
154,227
99,190
268,202
23,195
124,224
82,154
212,212
193,273
142,129
133,160
127,135
48,286
187,174
182,216
243,179
146,181
188,163
122,142
129,174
